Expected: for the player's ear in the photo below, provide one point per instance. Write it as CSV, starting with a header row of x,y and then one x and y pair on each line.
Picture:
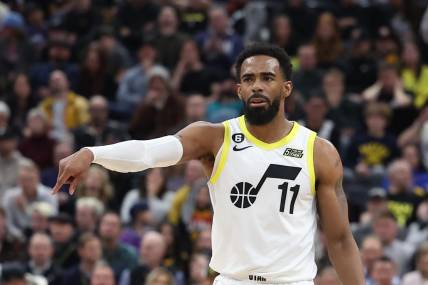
x,y
287,87
238,90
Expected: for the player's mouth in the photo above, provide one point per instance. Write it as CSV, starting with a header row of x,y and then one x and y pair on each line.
x,y
257,102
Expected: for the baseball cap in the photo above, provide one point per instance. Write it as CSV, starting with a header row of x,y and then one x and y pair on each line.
x,y
377,193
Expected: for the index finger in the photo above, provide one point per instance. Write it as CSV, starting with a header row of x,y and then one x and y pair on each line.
x,y
62,179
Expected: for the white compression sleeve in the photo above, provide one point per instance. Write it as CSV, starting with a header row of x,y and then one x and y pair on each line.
x,y
134,155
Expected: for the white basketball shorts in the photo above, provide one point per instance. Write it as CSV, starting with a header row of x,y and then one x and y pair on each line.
x,y
223,280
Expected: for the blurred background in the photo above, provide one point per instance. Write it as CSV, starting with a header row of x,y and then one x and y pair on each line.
x,y
77,73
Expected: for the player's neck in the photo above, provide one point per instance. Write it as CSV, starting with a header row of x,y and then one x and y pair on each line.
x,y
272,132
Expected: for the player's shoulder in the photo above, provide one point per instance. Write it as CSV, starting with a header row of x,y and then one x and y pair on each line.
x,y
326,158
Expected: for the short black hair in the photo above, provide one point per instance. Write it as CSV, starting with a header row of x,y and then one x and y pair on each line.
x,y
265,49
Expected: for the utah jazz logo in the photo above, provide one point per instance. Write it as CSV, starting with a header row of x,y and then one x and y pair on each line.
x,y
243,194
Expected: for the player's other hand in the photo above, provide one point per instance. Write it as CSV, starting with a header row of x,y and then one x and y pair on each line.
x,y
72,168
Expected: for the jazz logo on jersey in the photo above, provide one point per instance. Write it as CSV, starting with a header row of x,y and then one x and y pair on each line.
x,y
244,194
292,152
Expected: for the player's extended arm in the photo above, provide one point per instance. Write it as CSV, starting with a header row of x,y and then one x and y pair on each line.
x,y
333,211
192,142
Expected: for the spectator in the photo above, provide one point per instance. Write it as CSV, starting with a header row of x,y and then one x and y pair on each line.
x,y
403,196
117,57
49,176
190,74
141,222
388,88
133,86
88,212
118,255
59,58
343,109
417,232
386,228
153,191
65,109
282,34
316,109
327,41
414,74
307,78
383,272
20,100
196,108
199,270
420,275
4,117
134,19
17,201
100,129
90,253
160,276
371,250
360,67
10,158
41,251
40,213
376,204
36,144
102,275
13,274
219,43
169,40
193,172
197,212
62,231
412,154
16,55
11,248
226,104
161,110
194,17
96,184
371,151
93,78
152,253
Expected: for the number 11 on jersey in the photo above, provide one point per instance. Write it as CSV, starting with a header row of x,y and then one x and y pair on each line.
x,y
284,188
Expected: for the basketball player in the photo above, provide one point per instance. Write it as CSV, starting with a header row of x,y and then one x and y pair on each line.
x,y
266,177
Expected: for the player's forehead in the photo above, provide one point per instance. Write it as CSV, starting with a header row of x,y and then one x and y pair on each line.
x,y
260,64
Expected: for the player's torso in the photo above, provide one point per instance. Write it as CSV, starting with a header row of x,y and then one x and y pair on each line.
x,y
264,207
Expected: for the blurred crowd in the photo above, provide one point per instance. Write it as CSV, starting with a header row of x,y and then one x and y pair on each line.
x,y
77,73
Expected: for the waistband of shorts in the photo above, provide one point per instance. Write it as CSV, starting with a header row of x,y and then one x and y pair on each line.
x,y
231,281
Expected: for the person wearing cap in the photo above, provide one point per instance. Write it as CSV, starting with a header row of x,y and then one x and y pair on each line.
x,y
160,111
64,237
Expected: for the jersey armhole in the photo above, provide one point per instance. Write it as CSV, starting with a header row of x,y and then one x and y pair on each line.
x,y
310,160
224,150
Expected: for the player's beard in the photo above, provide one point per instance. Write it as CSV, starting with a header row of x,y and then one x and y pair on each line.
x,y
259,115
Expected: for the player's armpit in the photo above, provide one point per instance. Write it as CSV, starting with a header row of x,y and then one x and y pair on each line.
x,y
333,212
200,139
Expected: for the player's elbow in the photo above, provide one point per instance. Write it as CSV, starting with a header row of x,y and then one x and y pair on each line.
x,y
340,239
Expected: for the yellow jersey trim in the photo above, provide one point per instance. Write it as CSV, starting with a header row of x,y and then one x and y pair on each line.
x,y
224,152
310,159
264,145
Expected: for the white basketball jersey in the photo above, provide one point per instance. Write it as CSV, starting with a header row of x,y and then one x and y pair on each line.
x,y
263,197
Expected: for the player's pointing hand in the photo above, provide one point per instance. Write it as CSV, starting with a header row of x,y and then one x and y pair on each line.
x,y
72,168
